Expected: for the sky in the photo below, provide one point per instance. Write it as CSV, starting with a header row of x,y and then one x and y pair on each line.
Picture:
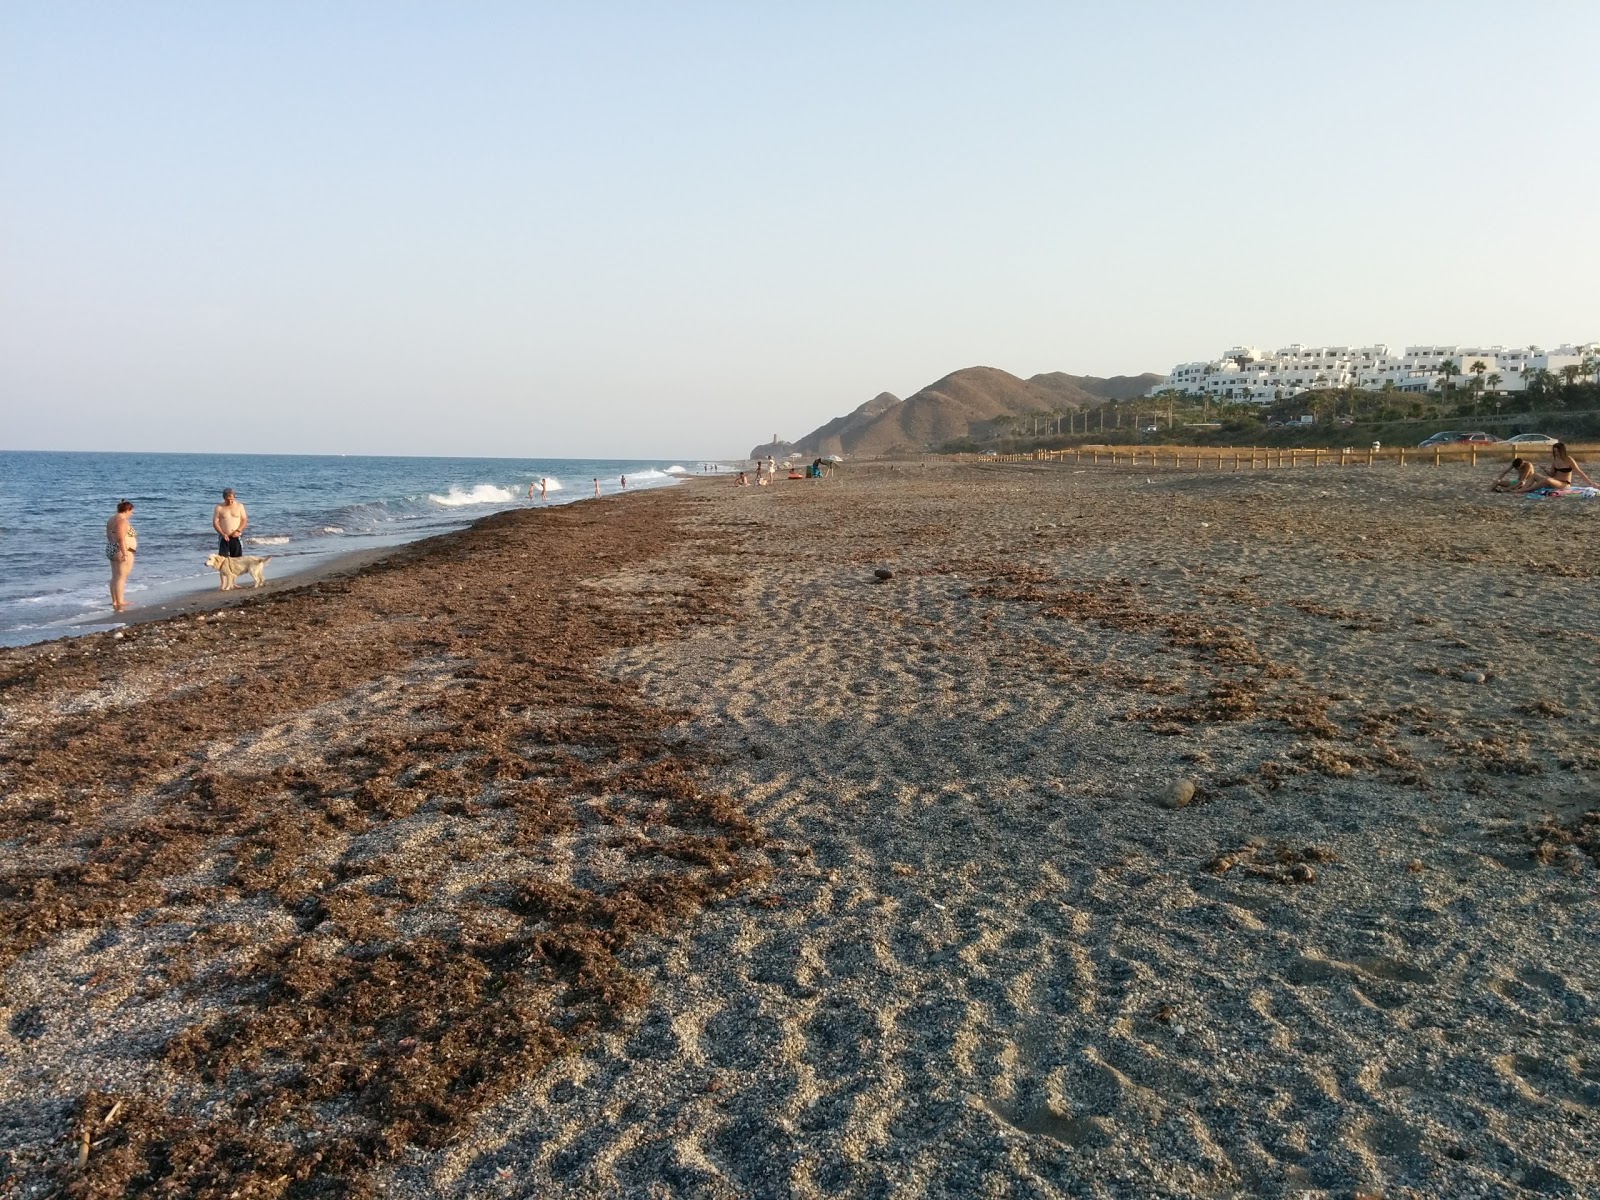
x,y
675,229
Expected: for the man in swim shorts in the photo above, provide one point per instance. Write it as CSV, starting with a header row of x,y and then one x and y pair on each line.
x,y
229,520
1527,478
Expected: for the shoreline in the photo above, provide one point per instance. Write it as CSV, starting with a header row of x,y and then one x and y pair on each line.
x,y
347,564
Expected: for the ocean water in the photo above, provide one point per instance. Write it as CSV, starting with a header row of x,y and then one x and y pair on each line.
x,y
303,509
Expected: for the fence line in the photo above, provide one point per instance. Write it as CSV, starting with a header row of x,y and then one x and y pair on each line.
x,y
1254,458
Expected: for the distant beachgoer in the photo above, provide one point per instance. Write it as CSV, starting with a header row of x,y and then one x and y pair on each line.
x,y
122,542
624,483
230,520
744,480
596,487
1526,477
1562,466
530,489
772,467
544,486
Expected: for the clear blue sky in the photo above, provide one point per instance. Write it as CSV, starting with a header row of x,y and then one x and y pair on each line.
x,y
675,229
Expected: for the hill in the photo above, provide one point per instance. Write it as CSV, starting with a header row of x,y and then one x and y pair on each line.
x,y
1116,387
948,408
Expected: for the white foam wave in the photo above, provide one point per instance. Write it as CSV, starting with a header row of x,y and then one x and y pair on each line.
x,y
483,493
677,470
647,473
333,529
267,541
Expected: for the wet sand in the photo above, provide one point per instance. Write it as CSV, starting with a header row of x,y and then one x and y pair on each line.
x,y
721,868
210,599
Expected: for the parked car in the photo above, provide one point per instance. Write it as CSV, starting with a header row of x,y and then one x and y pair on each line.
x,y
1532,439
1456,437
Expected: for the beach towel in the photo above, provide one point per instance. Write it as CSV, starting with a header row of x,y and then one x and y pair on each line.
x,y
1582,493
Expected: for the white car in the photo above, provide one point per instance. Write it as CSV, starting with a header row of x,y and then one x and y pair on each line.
x,y
1531,439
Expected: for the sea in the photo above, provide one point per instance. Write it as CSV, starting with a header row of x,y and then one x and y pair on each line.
x,y
304,509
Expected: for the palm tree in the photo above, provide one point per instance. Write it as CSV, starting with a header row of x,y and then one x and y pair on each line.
x,y
1591,367
1494,381
1478,367
1540,382
1570,373
1447,369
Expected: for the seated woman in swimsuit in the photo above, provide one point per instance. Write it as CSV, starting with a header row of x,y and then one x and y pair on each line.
x,y
1562,466
121,545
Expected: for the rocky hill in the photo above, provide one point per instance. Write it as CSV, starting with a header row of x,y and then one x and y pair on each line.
x,y
961,404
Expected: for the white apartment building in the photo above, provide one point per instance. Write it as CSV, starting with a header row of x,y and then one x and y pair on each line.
x,y
1253,375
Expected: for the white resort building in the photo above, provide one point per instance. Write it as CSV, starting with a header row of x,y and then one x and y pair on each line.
x,y
1251,374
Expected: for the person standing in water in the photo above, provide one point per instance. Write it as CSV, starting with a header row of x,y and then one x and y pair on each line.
x,y
121,545
597,487
544,484
229,520
624,483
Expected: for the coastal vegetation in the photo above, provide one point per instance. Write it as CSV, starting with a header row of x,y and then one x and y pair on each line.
x,y
1560,405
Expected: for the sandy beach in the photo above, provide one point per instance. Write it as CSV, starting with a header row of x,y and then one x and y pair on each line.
x,y
1142,834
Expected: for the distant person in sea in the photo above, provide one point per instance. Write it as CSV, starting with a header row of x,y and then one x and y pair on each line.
x,y
1525,478
596,487
230,521
121,545
624,483
1562,467
544,486
530,489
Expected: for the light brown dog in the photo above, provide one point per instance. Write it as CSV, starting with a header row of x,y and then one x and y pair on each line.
x,y
231,568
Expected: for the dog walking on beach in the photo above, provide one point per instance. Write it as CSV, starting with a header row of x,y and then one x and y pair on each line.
x,y
229,569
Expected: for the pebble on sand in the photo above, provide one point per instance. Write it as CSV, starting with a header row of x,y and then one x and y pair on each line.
x,y
1177,794
883,574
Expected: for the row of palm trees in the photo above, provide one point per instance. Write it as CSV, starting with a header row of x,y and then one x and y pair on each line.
x,y
1540,382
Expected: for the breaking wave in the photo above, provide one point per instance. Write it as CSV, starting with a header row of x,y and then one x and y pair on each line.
x,y
483,493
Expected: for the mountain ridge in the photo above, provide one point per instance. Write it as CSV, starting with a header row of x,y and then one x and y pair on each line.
x,y
952,407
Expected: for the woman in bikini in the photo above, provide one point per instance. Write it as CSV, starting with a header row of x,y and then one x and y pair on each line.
x,y
1562,466
121,545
